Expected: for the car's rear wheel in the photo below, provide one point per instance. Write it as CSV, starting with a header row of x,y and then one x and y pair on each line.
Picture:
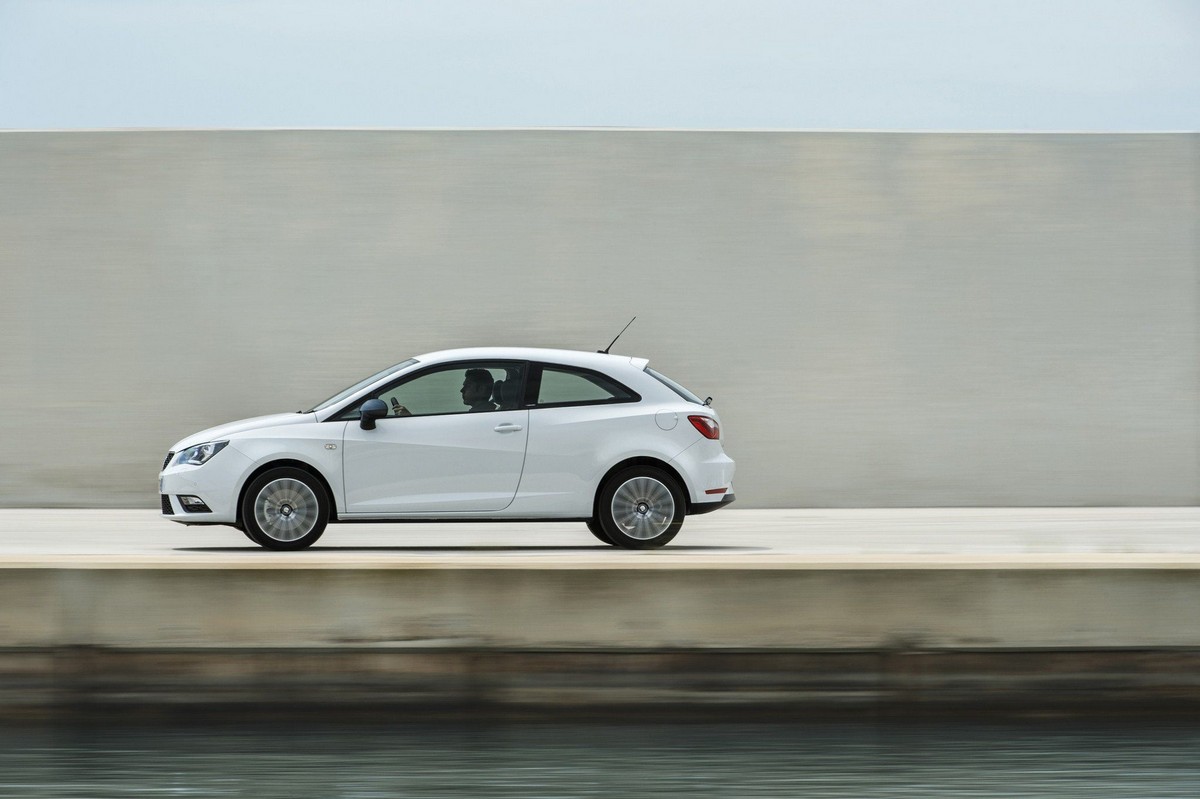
x,y
285,508
641,507
598,531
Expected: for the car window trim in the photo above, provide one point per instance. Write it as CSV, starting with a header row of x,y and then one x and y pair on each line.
x,y
351,412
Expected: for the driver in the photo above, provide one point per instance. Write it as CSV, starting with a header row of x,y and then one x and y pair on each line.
x,y
477,390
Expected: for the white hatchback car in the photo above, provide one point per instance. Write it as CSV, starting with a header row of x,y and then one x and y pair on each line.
x,y
488,434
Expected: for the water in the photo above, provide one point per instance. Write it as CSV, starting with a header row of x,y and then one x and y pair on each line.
x,y
955,759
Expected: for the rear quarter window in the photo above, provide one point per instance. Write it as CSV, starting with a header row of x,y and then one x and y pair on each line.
x,y
560,385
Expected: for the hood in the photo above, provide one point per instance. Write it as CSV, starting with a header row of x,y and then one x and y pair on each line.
x,y
224,431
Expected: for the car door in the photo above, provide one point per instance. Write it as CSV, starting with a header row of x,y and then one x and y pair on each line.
x,y
454,442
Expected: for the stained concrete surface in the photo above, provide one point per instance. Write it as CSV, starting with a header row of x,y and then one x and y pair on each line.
x,y
884,319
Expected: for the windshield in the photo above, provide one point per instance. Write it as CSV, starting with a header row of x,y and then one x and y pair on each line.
x,y
361,384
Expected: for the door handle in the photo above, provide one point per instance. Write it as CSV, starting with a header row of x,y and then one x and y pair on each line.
x,y
507,427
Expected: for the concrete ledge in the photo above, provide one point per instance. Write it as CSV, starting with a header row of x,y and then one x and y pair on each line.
x,y
800,635
837,608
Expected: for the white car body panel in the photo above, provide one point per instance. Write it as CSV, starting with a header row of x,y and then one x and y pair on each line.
x,y
705,467
431,464
225,431
571,449
317,444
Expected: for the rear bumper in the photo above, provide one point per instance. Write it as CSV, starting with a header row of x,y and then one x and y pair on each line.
x,y
705,467
708,507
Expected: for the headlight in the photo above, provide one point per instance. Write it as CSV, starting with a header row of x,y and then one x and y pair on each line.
x,y
199,454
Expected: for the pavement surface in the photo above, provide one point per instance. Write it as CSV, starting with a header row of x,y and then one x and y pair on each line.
x,y
791,538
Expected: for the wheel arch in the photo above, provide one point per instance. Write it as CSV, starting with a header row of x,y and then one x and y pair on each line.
x,y
282,464
642,461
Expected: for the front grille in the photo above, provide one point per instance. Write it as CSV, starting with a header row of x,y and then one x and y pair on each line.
x,y
166,506
167,462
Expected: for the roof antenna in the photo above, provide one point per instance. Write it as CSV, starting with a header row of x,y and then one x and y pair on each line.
x,y
614,341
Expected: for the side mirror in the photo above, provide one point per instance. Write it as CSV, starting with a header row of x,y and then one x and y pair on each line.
x,y
371,410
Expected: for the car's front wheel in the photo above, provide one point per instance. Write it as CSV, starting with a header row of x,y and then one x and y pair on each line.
x,y
285,508
641,507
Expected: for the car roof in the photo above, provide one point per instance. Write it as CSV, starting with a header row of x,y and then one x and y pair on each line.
x,y
593,360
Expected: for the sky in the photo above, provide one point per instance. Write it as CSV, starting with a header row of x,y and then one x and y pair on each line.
x,y
1069,65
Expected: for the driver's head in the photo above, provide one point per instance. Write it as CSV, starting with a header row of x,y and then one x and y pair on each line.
x,y
477,387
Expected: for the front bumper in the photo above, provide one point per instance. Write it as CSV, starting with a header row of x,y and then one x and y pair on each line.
x,y
215,484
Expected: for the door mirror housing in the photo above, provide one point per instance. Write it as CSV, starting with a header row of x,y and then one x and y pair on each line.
x,y
371,410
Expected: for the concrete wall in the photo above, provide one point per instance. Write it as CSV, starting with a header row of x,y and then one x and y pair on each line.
x,y
884,319
238,634
646,607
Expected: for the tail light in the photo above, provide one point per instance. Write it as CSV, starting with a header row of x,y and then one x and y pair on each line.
x,y
707,426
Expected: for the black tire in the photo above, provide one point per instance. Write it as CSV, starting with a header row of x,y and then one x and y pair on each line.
x,y
285,508
598,531
641,507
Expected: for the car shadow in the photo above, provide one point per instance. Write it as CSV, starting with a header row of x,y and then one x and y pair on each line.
x,y
513,549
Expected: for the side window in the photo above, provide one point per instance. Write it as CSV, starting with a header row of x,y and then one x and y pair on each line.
x,y
463,388
564,386
434,392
